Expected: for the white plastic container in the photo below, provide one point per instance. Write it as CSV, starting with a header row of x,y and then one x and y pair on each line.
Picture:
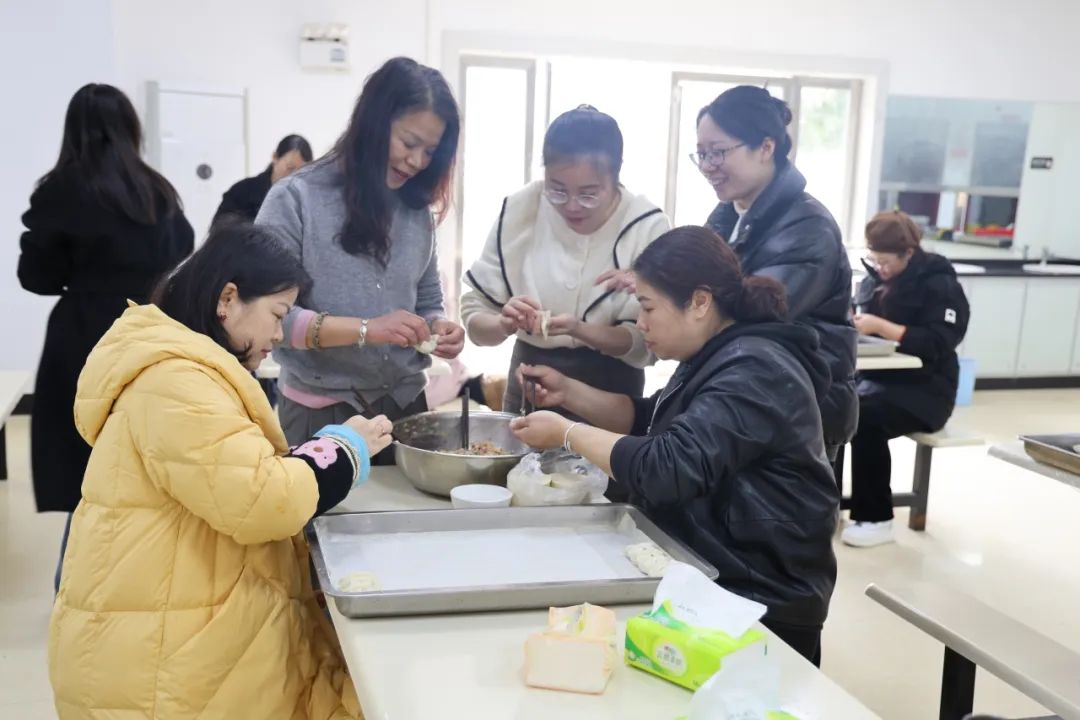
x,y
480,496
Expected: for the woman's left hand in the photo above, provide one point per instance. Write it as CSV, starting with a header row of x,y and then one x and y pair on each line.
x,y
868,324
542,430
451,339
559,325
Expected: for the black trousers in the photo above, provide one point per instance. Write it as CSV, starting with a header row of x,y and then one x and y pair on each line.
x,y
871,463
802,639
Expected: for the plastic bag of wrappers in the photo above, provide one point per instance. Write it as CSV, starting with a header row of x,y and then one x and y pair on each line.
x,y
556,477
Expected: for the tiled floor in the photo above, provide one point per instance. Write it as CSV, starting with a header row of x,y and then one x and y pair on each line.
x,y
1008,537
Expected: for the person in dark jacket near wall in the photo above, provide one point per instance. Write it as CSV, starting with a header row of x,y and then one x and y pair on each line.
x,y
101,228
729,457
243,200
911,297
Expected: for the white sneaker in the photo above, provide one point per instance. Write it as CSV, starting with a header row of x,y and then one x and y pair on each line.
x,y
868,534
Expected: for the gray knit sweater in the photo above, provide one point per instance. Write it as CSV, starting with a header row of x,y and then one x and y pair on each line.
x,y
307,210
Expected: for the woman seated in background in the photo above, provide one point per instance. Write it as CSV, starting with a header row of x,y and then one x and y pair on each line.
x,y
186,591
360,220
729,458
101,229
536,277
243,200
911,297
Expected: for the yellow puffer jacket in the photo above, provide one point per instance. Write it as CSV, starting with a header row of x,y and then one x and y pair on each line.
x,y
186,591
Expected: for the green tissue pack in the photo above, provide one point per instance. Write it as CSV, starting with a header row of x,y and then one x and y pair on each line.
x,y
659,643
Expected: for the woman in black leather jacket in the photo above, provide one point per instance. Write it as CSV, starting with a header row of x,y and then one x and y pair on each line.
x,y
729,457
778,230
913,298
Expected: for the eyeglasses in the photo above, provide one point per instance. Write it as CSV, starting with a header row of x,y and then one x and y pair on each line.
x,y
558,197
714,157
884,261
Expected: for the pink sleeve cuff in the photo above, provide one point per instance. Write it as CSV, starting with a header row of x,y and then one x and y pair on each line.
x,y
300,325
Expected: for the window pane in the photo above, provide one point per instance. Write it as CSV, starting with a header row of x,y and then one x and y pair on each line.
x,y
636,95
694,198
496,105
824,133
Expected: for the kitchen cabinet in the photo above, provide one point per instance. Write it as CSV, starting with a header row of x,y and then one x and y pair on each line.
x,y
997,314
966,284
946,142
1048,330
1048,214
1076,347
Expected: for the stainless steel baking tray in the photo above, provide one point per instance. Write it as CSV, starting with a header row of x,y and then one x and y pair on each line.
x,y
446,561
875,347
1061,451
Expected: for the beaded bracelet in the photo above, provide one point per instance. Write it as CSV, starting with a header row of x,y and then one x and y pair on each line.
x,y
315,341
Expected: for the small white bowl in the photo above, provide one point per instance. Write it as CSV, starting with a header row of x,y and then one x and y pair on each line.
x,y
480,496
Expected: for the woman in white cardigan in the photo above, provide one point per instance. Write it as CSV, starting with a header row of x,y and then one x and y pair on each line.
x,y
537,276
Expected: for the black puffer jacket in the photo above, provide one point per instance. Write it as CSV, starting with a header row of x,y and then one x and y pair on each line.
x,y
733,464
789,236
243,200
928,299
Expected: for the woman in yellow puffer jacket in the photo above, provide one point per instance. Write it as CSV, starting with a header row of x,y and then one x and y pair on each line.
x,y
186,591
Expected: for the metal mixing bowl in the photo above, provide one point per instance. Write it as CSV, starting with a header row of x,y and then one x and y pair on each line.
x,y
422,441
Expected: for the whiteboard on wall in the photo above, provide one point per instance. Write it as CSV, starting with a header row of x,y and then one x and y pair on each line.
x,y
198,139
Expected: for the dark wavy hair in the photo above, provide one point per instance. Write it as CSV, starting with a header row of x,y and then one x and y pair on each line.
x,y
750,114
691,258
249,256
401,86
100,150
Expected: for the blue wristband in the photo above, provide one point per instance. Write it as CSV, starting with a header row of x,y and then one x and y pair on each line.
x,y
345,434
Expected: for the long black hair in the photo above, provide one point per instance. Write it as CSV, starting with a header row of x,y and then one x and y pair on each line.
x,y
691,258
100,149
750,114
249,256
401,86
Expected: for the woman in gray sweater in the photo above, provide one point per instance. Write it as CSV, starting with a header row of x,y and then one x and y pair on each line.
x,y
361,221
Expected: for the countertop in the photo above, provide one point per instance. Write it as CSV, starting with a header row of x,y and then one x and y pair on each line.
x,y
977,265
469,665
1013,453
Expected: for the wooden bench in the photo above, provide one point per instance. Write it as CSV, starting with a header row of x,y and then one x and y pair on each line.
x,y
13,385
948,437
975,634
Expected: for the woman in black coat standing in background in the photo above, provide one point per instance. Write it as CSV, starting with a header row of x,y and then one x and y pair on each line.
x,y
101,228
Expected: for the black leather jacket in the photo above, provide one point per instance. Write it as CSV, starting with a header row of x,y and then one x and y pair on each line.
x,y
729,459
791,237
928,299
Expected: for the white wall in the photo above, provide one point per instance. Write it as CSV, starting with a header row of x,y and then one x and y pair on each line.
x,y
50,48
254,44
999,49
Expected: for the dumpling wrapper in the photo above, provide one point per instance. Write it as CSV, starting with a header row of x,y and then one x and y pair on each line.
x,y
545,321
428,346
359,582
649,558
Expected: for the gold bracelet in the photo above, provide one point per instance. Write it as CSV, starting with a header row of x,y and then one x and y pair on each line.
x,y
315,340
